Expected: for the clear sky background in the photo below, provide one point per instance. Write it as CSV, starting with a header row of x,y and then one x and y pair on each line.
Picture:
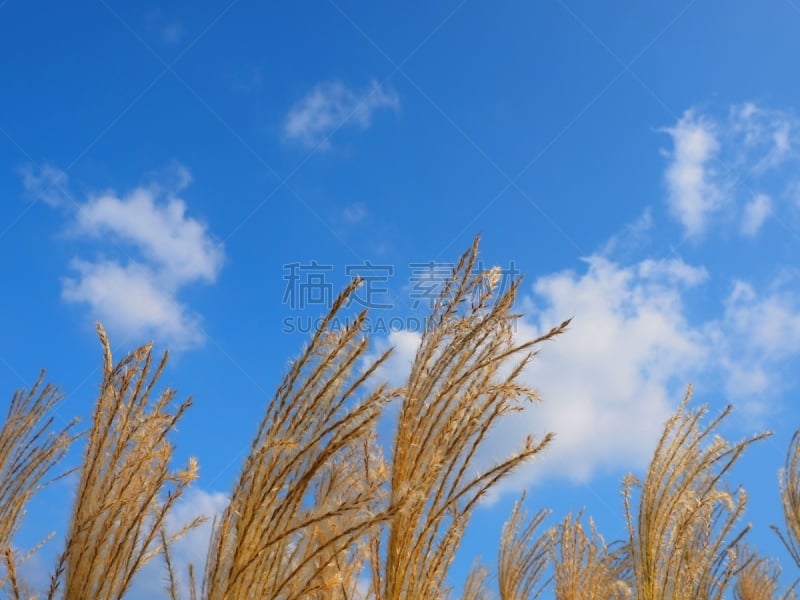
x,y
162,166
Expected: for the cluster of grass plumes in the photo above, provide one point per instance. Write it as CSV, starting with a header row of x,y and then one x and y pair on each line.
x,y
683,540
321,511
126,487
682,537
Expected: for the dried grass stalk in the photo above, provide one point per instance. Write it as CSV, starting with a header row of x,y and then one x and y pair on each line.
x,y
28,451
475,587
524,555
126,487
309,489
456,391
585,566
681,538
759,578
789,481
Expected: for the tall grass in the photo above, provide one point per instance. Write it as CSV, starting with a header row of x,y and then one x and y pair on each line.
x,y
523,555
28,452
683,541
126,488
321,509
310,489
759,579
585,566
455,392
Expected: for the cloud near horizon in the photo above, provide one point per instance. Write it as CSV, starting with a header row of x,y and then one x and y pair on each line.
x,y
628,355
612,380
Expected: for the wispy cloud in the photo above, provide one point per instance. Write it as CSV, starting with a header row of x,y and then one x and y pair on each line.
x,y
755,213
167,29
726,166
354,213
46,184
759,329
761,138
332,105
147,250
693,191
631,238
172,34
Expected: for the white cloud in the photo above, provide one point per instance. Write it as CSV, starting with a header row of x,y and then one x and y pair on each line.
x,y
626,360
754,338
157,248
693,193
397,367
610,382
131,303
769,320
755,213
159,228
46,184
331,106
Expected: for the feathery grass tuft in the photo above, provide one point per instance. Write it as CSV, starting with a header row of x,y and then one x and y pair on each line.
x,y
455,392
682,539
758,579
585,566
475,587
126,488
524,555
28,451
307,493
789,483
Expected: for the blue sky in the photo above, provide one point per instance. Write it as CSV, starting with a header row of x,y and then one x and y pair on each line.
x,y
162,165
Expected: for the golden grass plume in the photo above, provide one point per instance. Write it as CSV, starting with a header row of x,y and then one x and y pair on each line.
x,y
464,378
682,538
126,487
28,452
309,489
